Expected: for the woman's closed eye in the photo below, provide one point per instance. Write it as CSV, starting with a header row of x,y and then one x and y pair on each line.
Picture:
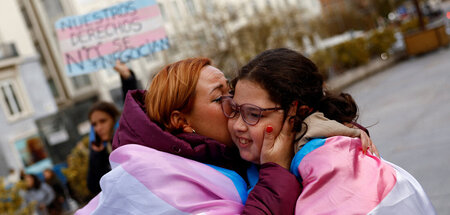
x,y
216,99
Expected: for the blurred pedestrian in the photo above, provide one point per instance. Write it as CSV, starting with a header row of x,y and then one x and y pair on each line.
x,y
39,192
56,207
103,117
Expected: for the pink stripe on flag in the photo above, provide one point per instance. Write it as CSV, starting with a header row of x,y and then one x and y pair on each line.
x,y
185,184
339,179
141,15
110,48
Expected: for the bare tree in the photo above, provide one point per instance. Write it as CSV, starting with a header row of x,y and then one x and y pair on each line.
x,y
232,39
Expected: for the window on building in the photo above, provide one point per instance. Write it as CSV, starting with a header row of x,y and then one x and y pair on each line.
x,y
191,7
81,81
13,101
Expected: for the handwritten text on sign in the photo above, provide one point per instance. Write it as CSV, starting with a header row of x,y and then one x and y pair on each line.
x,y
125,31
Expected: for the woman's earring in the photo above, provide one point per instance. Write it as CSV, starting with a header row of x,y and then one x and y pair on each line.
x,y
193,131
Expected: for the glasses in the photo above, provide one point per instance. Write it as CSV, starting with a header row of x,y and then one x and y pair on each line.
x,y
251,114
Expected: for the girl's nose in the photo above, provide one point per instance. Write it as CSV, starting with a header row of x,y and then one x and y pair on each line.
x,y
239,124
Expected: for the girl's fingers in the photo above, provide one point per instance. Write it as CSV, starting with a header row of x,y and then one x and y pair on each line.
x,y
278,149
269,139
368,144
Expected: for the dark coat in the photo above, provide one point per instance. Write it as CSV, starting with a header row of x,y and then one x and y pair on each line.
x,y
276,191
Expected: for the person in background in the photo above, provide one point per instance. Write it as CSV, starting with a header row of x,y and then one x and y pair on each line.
x,y
39,192
103,117
56,207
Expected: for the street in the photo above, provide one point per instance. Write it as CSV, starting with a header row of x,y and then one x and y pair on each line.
x,y
407,111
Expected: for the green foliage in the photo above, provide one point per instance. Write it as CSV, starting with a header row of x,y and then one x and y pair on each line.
x,y
11,202
380,42
323,60
341,19
76,172
352,53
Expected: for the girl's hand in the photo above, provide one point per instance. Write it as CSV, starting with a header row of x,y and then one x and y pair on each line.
x,y
279,149
368,144
365,140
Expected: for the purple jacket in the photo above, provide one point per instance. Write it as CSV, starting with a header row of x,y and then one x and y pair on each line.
x,y
267,197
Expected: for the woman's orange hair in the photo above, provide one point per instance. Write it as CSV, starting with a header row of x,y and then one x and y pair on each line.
x,y
173,88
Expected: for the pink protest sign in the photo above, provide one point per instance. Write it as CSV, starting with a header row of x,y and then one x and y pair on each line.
x,y
125,31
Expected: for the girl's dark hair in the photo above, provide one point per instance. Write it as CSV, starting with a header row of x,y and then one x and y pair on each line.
x,y
288,76
106,107
36,182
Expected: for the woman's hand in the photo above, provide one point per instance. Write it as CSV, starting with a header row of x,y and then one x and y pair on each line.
x,y
279,149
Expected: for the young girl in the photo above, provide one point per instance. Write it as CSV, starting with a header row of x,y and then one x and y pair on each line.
x,y
281,92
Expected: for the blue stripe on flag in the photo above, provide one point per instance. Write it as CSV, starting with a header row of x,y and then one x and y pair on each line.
x,y
238,181
253,177
307,148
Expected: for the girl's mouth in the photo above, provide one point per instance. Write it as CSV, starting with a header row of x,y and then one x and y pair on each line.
x,y
243,142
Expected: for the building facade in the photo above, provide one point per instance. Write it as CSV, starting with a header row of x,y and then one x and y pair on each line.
x,y
24,94
185,24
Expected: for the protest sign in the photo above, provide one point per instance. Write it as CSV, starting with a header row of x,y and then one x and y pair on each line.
x,y
125,31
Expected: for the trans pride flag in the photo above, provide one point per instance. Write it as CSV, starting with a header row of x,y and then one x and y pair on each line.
x,y
338,179
146,181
